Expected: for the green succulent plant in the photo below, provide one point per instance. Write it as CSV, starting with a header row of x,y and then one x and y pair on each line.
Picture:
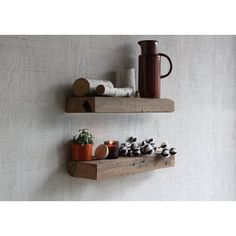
x,y
84,137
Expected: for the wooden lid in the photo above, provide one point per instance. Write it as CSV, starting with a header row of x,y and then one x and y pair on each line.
x,y
101,152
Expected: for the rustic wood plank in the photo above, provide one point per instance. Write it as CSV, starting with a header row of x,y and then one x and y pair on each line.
x,y
118,104
80,104
118,167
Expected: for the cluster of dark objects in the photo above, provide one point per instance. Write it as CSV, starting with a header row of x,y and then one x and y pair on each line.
x,y
147,147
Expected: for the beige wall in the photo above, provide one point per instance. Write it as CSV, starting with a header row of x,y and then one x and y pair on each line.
x,y
35,75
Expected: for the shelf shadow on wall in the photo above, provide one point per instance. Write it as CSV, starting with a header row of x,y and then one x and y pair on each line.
x,y
115,188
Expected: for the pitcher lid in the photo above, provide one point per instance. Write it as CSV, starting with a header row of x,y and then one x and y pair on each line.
x,y
148,40
149,46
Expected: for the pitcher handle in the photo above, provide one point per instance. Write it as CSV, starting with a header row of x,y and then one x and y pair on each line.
x,y
164,55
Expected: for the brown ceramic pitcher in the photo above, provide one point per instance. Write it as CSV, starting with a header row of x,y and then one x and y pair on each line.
x,y
149,83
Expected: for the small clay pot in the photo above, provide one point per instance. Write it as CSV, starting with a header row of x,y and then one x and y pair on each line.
x,y
81,152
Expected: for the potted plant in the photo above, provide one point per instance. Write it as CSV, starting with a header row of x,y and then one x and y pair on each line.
x,y
81,146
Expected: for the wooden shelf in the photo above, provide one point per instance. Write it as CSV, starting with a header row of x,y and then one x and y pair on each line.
x,y
117,167
118,105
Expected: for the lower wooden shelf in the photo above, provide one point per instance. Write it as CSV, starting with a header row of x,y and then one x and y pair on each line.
x,y
117,167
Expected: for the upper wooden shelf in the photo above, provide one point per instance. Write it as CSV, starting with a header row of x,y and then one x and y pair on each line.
x,y
118,105
117,167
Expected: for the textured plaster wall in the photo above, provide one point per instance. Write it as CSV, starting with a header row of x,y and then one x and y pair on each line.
x,y
36,73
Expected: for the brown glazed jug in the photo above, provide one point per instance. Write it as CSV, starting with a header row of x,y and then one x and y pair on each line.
x,y
149,83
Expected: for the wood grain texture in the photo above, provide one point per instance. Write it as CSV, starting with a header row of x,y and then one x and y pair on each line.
x,y
118,105
117,167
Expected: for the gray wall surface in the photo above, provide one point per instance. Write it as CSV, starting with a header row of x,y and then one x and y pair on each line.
x,y
36,73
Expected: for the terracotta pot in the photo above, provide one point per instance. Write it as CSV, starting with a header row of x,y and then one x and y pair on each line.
x,y
81,152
